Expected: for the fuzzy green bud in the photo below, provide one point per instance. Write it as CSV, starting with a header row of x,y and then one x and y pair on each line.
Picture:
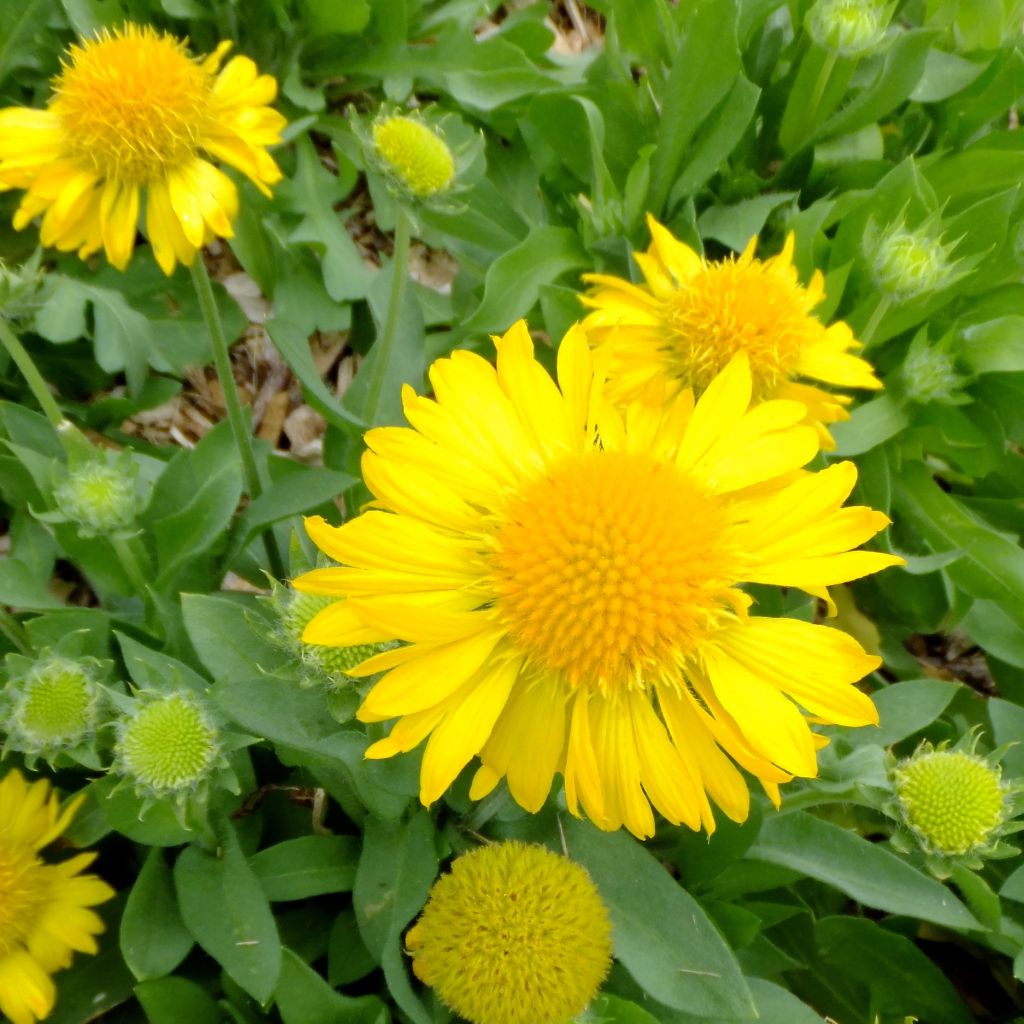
x,y
55,707
850,28
19,289
953,801
415,154
929,375
168,745
908,263
297,610
98,496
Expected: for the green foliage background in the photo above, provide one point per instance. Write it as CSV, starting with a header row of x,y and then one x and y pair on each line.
x,y
704,114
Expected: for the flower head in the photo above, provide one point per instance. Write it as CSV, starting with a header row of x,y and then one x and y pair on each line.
x,y
168,746
133,113
99,496
55,706
566,581
44,915
908,262
296,611
954,801
515,934
851,28
414,153
686,321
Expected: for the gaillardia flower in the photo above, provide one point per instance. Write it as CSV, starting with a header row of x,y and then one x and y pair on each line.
x,y
514,934
566,581
414,154
44,915
688,318
133,113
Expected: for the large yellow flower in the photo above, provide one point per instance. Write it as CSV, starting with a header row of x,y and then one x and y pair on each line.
x,y
688,318
44,915
133,113
565,578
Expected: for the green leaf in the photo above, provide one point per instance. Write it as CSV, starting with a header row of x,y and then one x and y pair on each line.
x,y
303,997
231,637
173,1000
307,866
704,70
396,870
661,934
902,980
989,625
869,425
863,870
154,939
1013,887
734,226
513,280
996,346
22,588
904,709
223,906
1007,728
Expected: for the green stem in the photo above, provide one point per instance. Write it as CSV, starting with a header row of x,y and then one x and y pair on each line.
x,y
130,564
33,377
14,631
883,307
232,403
820,85
385,342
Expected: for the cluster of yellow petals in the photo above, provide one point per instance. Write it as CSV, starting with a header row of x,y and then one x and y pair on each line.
x,y
44,908
681,325
132,125
565,577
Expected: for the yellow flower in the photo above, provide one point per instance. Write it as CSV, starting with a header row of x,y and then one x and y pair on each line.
x,y
415,154
682,325
515,934
133,112
44,915
566,577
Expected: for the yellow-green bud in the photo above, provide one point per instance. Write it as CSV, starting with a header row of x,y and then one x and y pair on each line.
x,y
929,375
416,154
908,262
55,707
953,801
167,746
98,496
297,610
850,28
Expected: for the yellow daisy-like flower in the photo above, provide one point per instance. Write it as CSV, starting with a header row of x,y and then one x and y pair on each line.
x,y
132,112
514,934
565,578
683,324
44,915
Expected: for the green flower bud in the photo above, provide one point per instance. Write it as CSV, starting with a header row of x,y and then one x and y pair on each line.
x,y
99,496
953,801
19,288
415,154
55,707
929,375
850,28
296,611
908,263
167,746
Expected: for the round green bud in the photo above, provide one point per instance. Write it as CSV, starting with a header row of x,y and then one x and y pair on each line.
x,y
850,28
930,375
415,154
953,801
297,610
909,263
168,745
55,706
98,496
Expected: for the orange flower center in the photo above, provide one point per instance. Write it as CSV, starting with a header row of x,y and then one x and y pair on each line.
x,y
132,105
23,891
734,307
610,568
